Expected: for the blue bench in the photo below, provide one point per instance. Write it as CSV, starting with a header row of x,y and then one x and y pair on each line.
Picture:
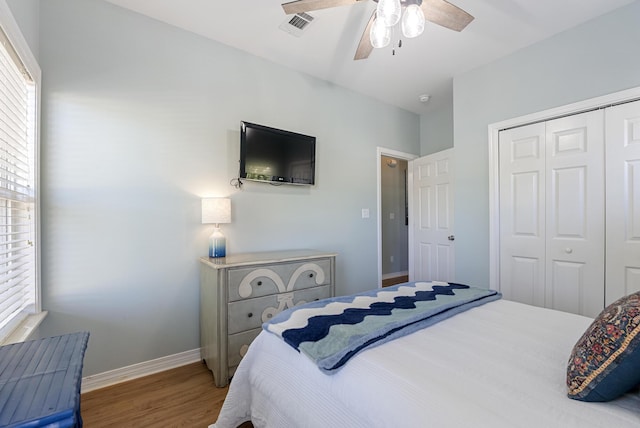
x,y
40,382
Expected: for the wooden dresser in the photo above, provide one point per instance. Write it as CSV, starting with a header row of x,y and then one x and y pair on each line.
x,y
241,291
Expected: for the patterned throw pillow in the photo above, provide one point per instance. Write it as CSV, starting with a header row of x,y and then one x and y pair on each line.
x,y
605,362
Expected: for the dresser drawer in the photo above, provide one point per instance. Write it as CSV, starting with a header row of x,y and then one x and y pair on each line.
x,y
278,278
239,343
251,313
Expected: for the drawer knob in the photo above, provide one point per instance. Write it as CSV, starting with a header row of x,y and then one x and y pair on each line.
x,y
250,314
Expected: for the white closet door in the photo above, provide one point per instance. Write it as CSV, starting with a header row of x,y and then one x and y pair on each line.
x,y
623,200
522,214
575,213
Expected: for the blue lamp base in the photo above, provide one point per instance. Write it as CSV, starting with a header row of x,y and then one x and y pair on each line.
x,y
217,244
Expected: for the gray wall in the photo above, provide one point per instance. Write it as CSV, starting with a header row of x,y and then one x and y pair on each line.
x,y
140,120
593,59
436,127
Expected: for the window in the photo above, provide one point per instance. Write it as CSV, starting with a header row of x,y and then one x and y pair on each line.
x,y
19,282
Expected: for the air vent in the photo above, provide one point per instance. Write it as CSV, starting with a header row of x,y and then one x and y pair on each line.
x,y
297,24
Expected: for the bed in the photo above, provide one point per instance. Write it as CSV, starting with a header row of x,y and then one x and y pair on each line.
x,y
500,364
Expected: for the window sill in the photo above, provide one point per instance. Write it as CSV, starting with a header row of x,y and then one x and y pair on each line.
x,y
24,329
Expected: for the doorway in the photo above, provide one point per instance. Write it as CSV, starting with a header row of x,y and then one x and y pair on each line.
x,y
394,220
393,216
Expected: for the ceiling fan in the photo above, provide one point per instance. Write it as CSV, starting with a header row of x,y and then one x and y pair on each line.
x,y
439,12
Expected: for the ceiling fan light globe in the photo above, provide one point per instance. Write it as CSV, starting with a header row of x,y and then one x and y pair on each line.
x,y
389,12
380,34
412,21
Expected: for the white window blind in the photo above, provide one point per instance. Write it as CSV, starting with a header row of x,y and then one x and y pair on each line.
x,y
17,193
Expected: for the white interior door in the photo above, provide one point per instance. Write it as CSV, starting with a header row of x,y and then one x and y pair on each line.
x,y
575,214
623,200
522,153
433,249
552,214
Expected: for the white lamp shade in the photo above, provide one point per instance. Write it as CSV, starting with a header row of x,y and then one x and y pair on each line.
x,y
389,11
379,34
216,210
412,21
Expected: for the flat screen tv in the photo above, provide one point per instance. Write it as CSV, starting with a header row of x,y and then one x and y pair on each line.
x,y
275,155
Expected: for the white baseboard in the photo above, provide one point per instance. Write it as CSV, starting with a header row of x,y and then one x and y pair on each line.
x,y
394,274
112,377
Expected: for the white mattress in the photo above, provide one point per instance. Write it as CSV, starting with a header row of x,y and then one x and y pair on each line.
x,y
502,364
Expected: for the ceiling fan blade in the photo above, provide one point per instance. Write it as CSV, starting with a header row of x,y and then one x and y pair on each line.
x,y
365,47
301,6
443,13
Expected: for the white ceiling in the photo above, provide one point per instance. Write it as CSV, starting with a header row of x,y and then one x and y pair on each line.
x,y
424,65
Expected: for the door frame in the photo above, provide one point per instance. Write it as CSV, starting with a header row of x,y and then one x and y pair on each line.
x,y
494,129
383,151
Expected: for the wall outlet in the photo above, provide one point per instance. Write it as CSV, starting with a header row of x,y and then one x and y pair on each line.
x,y
365,213
392,216
391,259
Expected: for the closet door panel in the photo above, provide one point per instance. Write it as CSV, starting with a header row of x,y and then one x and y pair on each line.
x,y
568,279
623,200
522,214
575,214
569,203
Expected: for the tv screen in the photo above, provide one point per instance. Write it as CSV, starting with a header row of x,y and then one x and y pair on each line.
x,y
276,155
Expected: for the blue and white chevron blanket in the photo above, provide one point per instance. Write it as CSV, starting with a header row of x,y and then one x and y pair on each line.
x,y
333,330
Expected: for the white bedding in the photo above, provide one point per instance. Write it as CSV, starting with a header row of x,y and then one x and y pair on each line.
x,y
502,364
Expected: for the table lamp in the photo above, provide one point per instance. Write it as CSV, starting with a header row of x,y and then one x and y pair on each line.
x,y
216,211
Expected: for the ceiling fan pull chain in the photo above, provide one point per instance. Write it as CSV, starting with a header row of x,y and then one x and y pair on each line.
x,y
393,51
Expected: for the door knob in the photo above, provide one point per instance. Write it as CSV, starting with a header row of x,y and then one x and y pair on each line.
x,y
451,238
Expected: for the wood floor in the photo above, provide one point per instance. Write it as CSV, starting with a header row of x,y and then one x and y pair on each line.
x,y
396,280
181,397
